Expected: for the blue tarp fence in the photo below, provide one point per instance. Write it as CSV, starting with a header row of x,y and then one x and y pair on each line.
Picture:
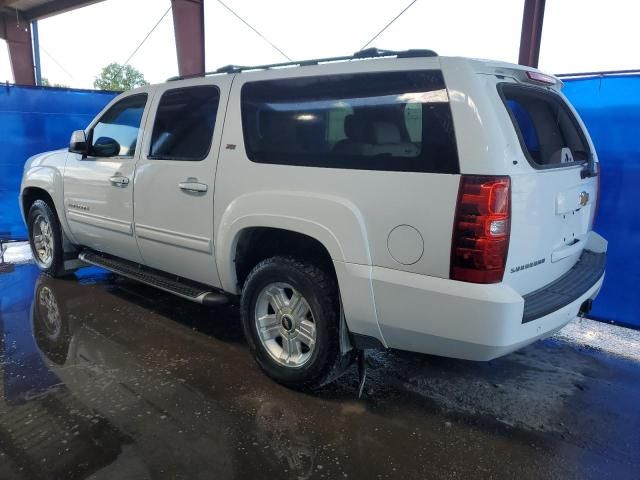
x,y
33,120
610,107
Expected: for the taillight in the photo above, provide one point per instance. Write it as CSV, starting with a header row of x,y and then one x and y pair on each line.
x,y
481,229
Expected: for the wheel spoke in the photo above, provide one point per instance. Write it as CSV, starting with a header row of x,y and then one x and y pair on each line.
x,y
287,348
277,298
291,350
307,333
296,349
269,327
298,306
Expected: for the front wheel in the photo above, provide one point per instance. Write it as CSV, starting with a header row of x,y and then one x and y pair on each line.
x,y
290,315
45,238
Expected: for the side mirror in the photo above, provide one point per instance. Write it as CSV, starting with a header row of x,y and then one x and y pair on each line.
x,y
78,142
105,147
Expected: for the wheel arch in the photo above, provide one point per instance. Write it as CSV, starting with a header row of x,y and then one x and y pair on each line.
x,y
254,244
31,194
46,183
335,224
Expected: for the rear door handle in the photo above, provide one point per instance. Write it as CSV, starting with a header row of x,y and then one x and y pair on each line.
x,y
193,187
119,181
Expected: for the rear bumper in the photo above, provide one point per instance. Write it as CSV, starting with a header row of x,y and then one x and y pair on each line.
x,y
469,321
571,286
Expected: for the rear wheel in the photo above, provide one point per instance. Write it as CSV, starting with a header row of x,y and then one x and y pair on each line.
x,y
290,314
45,238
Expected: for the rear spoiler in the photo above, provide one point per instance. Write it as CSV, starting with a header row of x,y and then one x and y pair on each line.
x,y
520,73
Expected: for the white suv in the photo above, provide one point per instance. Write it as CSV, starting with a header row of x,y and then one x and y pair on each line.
x,y
387,199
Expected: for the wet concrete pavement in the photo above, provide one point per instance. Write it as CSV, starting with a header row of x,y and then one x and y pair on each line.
x,y
108,379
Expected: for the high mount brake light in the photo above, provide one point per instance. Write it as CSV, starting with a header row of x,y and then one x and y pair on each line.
x,y
481,229
541,78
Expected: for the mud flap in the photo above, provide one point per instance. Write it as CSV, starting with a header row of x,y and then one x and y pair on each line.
x,y
346,351
362,371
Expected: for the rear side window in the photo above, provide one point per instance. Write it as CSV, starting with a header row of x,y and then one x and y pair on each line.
x,y
395,121
183,128
549,132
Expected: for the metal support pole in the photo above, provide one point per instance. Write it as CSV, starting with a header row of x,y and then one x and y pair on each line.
x,y
36,52
18,36
188,25
531,32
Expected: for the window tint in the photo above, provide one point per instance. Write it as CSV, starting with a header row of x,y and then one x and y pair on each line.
x,y
184,123
121,124
399,121
548,130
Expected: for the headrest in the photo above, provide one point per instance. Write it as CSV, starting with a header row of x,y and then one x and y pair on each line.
x,y
353,127
385,132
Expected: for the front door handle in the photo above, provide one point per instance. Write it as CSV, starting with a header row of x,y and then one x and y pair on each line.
x,y
119,181
193,187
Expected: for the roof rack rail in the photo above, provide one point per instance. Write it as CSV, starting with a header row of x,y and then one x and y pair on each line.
x,y
359,55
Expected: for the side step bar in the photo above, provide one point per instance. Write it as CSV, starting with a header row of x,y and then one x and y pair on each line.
x,y
183,288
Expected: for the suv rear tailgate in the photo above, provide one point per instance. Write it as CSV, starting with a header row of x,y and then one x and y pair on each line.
x,y
551,217
554,201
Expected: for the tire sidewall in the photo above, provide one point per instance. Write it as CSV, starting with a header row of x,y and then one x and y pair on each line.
x,y
280,269
40,207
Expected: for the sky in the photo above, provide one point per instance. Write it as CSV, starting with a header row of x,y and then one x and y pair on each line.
x,y
578,35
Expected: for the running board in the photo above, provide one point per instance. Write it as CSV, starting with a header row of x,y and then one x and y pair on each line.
x,y
183,288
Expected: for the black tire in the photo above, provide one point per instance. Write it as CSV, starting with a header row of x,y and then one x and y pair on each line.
x,y
54,268
320,290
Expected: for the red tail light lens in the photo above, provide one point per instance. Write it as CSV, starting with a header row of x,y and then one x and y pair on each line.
x,y
541,78
481,229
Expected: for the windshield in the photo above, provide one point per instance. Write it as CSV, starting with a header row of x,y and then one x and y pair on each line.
x,y
549,132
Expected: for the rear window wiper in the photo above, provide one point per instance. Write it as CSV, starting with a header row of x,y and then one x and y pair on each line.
x,y
589,170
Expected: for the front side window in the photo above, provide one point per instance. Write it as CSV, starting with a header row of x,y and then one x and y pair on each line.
x,y
116,133
183,128
549,132
394,121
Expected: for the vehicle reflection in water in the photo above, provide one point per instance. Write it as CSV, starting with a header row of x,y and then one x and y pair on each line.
x,y
104,378
141,395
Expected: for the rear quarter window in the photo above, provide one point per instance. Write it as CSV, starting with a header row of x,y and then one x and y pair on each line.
x,y
393,121
548,130
184,123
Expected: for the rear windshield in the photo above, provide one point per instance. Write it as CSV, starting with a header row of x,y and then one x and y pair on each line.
x,y
549,132
394,121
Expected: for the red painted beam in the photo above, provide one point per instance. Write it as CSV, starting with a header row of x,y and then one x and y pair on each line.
x,y
531,32
18,37
188,26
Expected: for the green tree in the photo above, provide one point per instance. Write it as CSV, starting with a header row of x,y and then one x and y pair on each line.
x,y
119,77
46,83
